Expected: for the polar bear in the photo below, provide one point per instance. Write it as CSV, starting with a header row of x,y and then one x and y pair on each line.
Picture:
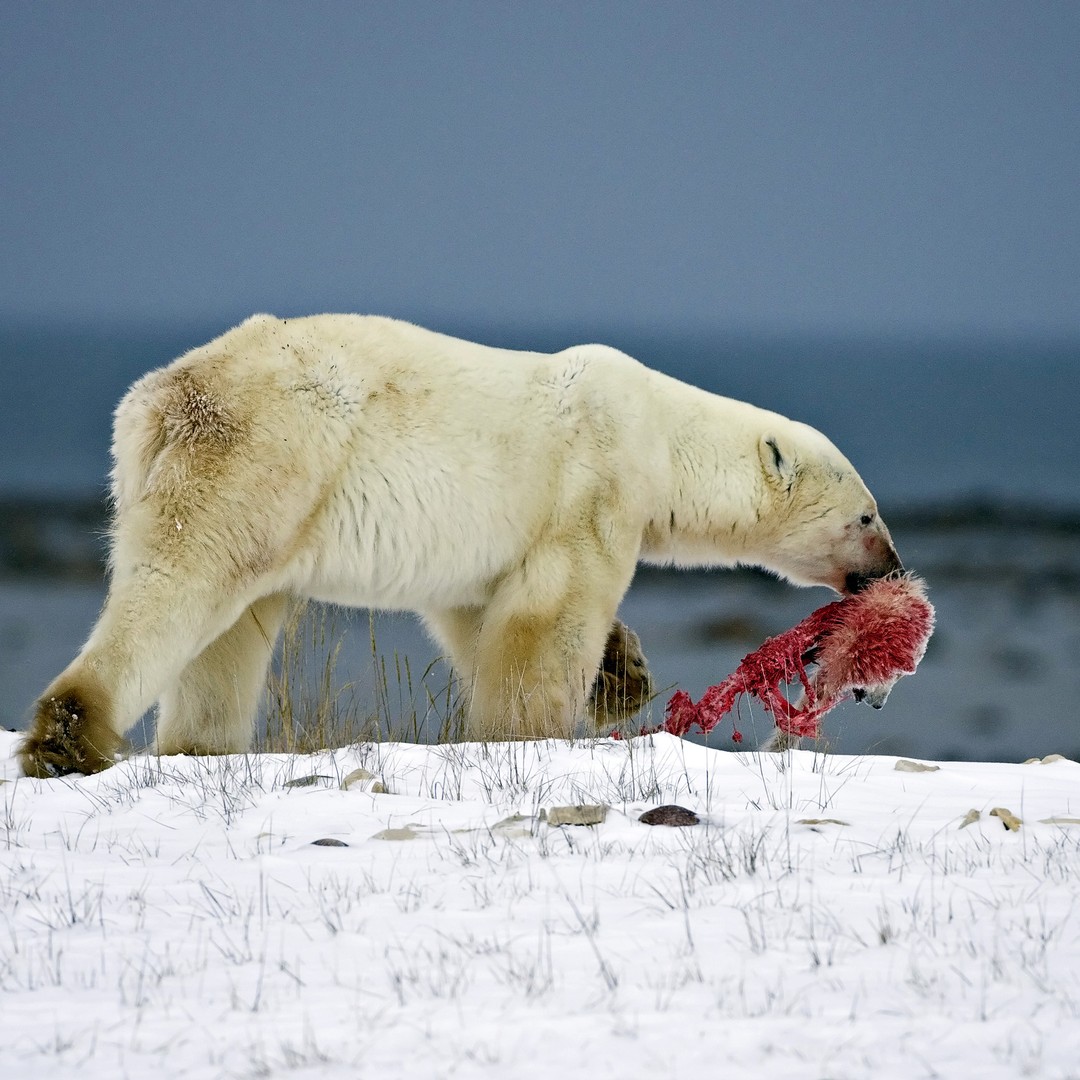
x,y
506,497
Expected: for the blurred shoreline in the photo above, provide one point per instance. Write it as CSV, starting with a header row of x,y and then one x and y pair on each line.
x,y
999,682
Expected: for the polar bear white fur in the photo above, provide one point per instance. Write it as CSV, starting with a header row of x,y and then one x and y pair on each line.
x,y
505,496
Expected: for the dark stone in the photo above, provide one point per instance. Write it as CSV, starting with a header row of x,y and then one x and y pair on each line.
x,y
328,841
669,815
308,781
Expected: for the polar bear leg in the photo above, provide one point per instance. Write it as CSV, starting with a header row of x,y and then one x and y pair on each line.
x,y
516,676
531,674
211,707
457,630
148,632
621,687
540,640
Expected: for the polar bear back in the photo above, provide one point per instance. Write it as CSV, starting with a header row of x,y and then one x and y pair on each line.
x,y
431,464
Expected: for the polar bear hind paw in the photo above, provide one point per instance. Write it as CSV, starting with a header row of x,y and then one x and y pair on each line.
x,y
623,684
64,738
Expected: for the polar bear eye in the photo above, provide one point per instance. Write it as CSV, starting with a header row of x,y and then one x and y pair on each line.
x,y
866,519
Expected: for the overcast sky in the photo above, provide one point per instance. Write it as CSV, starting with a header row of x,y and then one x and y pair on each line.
x,y
838,166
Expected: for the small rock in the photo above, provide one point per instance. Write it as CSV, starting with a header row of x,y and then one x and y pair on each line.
x,y
516,826
308,781
903,765
970,818
362,780
577,815
404,833
1008,818
328,841
1051,758
673,815
821,821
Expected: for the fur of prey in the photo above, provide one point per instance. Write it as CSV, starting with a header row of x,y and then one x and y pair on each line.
x,y
862,643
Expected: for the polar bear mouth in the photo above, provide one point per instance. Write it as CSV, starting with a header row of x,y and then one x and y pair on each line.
x,y
855,582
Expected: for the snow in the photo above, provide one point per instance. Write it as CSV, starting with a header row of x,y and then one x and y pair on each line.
x,y
829,916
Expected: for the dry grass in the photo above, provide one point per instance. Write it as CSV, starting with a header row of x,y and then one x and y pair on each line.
x,y
310,705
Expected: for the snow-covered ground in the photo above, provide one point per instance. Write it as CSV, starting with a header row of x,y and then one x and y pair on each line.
x,y
829,916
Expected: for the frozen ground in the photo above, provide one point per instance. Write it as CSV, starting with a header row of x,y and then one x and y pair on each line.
x,y
828,917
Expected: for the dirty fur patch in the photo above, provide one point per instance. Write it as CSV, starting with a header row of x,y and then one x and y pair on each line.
x,y
194,415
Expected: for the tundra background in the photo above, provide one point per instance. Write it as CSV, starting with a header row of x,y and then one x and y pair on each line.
x,y
861,216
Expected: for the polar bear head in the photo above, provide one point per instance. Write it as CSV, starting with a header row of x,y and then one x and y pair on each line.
x,y
823,523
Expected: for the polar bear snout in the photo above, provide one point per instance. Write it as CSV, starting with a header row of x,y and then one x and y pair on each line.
x,y
885,563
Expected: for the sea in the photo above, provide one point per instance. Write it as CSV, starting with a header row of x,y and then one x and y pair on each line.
x,y
969,444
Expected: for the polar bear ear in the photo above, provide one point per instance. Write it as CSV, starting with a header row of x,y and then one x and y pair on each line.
x,y
777,460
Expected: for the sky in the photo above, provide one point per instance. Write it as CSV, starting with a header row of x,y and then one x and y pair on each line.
x,y
842,167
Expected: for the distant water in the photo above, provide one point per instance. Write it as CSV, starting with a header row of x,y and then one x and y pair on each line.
x,y
999,681
922,420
